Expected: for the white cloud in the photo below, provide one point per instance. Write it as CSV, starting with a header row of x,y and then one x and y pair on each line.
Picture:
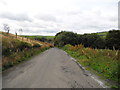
x,y
17,17
47,17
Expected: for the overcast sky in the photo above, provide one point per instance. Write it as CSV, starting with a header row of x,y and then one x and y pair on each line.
x,y
47,17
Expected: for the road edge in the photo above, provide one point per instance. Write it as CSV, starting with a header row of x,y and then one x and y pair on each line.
x,y
88,73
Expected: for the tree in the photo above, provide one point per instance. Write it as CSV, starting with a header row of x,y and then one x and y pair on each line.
x,y
62,38
88,40
93,40
113,39
6,28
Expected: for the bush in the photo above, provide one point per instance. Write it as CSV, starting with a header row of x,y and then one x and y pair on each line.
x,y
6,52
88,40
36,45
10,46
113,39
67,46
63,38
93,40
24,45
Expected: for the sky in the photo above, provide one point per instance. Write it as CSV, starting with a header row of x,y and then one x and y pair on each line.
x,y
48,17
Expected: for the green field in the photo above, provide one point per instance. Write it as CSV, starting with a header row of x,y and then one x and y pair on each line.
x,y
33,37
102,34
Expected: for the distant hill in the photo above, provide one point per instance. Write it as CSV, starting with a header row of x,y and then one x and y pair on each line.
x,y
102,34
36,36
49,39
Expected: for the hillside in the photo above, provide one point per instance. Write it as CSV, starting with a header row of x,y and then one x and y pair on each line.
x,y
102,34
24,39
17,49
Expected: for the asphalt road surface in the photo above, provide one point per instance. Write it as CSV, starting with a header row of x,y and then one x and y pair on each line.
x,y
51,69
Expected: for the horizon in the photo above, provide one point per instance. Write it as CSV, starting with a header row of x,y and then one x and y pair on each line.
x,y
67,31
56,33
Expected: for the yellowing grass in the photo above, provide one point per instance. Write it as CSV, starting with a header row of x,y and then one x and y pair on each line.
x,y
17,49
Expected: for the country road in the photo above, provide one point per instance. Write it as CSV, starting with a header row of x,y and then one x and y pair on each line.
x,y
51,69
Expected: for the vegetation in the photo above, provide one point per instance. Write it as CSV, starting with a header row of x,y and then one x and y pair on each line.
x,y
91,40
98,52
113,39
94,40
48,39
16,58
64,38
102,34
16,50
105,62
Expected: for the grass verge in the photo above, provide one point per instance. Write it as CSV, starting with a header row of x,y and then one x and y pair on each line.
x,y
18,57
103,62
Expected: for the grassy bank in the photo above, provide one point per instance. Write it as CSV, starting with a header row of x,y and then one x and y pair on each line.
x,y
103,62
18,57
18,49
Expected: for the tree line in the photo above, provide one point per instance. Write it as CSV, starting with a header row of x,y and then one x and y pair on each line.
x,y
111,41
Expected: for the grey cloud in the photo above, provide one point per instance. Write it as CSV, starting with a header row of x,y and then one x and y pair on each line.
x,y
98,27
33,25
89,26
36,25
17,17
38,31
50,31
46,17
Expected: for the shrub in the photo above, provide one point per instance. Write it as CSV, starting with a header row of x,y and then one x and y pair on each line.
x,y
67,46
6,52
64,38
113,39
24,45
76,47
36,45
